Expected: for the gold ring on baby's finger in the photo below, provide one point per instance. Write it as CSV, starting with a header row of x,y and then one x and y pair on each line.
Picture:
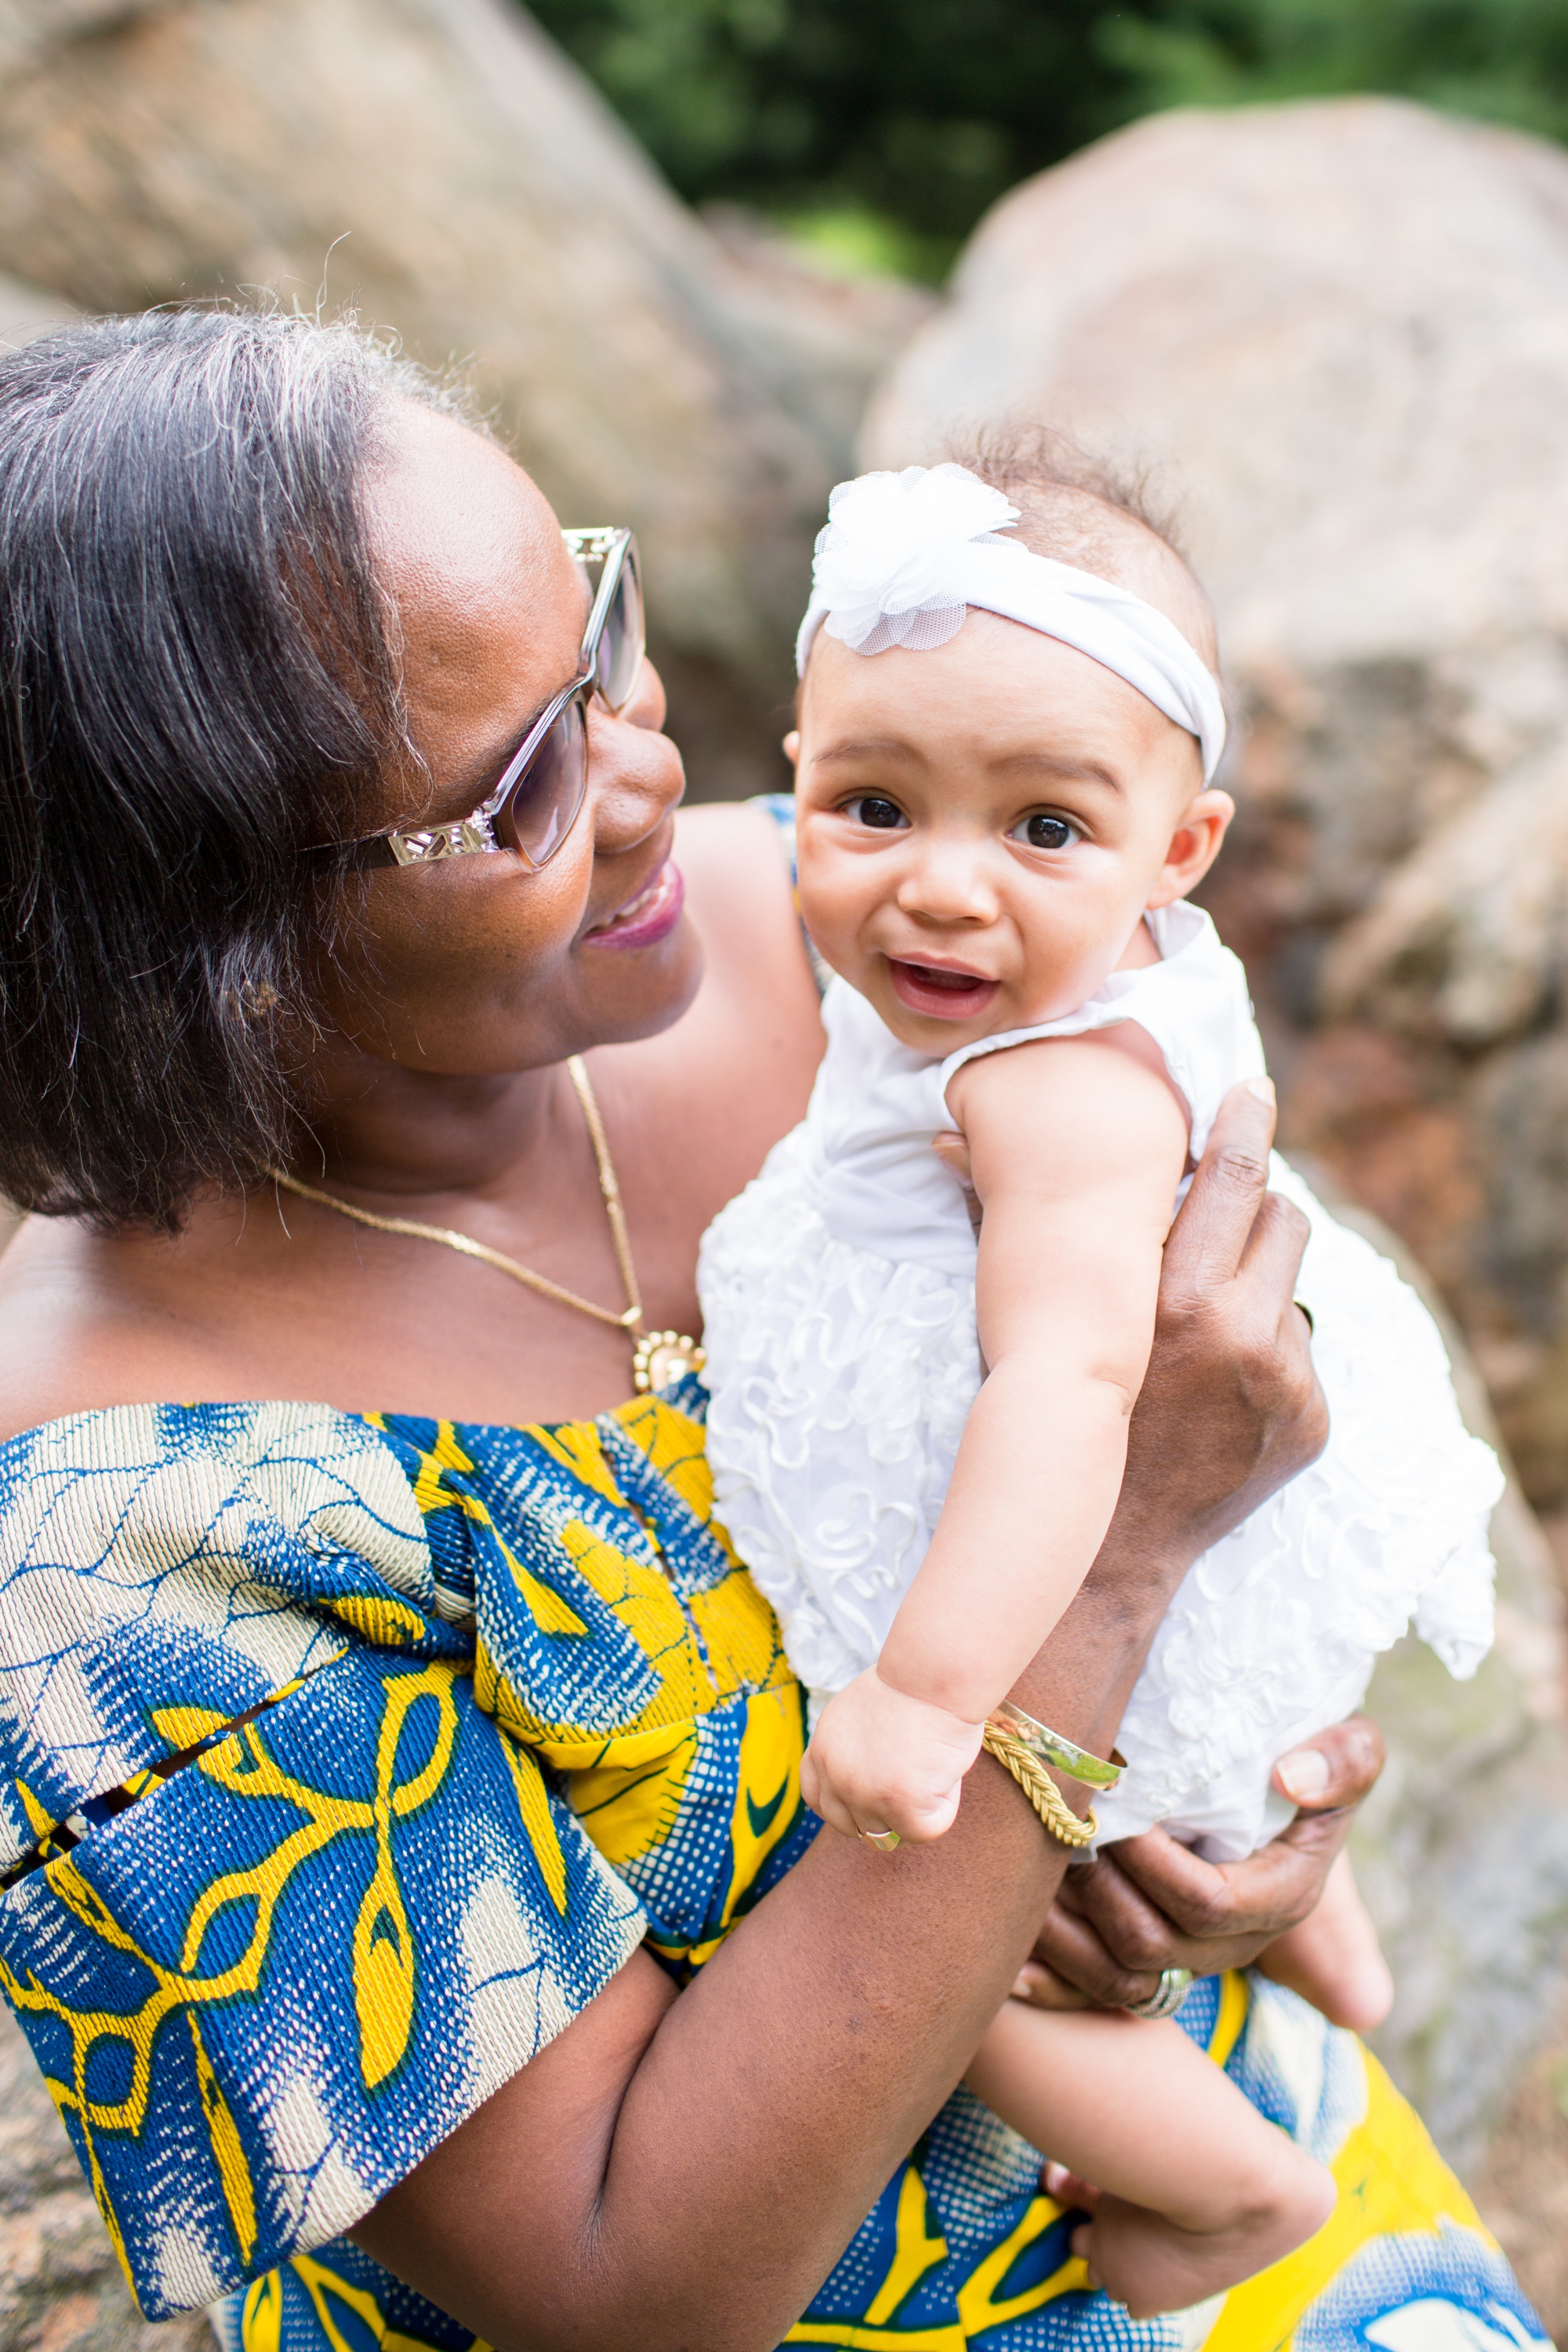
x,y
883,1840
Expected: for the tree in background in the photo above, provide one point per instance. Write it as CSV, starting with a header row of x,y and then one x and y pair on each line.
x,y
884,128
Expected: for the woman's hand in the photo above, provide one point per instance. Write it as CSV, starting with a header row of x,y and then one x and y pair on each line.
x,y
1230,1408
1149,1903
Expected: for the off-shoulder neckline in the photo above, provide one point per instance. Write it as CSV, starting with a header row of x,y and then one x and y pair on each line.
x,y
374,1420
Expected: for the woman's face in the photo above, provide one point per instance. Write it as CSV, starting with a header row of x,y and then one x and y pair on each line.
x,y
479,965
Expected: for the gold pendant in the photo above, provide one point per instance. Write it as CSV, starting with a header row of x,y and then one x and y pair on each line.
x,y
662,1357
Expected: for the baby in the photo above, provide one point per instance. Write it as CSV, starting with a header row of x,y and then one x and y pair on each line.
x,y
918,1431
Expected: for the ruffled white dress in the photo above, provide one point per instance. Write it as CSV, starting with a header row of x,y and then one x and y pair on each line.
x,y
839,1293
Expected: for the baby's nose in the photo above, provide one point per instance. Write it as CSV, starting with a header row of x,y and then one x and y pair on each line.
x,y
948,886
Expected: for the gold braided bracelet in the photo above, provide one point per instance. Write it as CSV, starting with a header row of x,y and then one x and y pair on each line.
x,y
1039,1788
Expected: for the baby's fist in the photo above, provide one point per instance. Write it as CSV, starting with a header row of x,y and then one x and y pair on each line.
x,y
883,1760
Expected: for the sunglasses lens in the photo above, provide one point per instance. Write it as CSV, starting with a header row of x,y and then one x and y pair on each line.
x,y
538,812
621,646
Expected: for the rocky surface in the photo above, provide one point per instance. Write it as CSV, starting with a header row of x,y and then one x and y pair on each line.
x,y
61,2289
1338,331
441,166
27,311
1522,2187
1462,1849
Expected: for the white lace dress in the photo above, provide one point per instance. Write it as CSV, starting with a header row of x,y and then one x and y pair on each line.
x,y
839,1293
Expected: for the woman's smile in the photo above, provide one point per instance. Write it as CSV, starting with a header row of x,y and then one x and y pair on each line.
x,y
647,918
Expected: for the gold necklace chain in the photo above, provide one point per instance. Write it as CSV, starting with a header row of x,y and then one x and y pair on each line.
x,y
658,1358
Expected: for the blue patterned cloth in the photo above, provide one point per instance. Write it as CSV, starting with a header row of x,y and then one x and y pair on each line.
x,y
520,1710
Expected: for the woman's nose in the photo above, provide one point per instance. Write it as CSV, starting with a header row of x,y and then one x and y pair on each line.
x,y
635,774
646,703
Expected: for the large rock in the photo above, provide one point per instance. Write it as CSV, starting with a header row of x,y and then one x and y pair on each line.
x,y
1462,1849
1339,330
61,2289
439,164
27,311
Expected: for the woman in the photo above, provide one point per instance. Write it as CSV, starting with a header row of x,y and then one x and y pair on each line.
x,y
363,1743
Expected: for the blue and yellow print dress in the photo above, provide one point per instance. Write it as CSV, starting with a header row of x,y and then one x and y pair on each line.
x,y
514,1708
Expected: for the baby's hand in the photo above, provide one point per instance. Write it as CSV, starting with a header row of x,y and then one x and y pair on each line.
x,y
883,1760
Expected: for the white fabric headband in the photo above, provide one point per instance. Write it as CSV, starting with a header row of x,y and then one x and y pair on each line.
x,y
902,557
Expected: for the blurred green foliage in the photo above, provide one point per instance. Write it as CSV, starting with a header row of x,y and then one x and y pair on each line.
x,y
881,130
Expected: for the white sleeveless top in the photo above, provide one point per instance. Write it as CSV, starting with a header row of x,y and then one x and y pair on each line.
x,y
839,1297
877,1104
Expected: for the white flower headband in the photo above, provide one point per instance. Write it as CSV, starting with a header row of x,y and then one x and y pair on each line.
x,y
903,556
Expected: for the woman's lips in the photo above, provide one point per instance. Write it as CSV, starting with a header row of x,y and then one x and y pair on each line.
x,y
648,917
940,996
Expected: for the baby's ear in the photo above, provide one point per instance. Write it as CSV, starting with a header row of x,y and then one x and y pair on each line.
x,y
1193,846
792,747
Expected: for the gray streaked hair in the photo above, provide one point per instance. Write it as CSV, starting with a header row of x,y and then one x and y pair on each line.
x,y
198,677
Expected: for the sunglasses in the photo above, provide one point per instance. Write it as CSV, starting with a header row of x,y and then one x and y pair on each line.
x,y
535,804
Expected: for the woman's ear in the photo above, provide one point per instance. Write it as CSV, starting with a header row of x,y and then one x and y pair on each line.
x,y
1193,846
792,747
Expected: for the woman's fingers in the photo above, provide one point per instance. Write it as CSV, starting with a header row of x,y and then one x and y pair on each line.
x,y
1230,1407
1083,2245
1336,1767
1150,1903
1039,1987
1154,1905
1071,1949
1228,1909
1211,1234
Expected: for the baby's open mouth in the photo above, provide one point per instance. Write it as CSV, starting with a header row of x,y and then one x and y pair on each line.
x,y
929,976
932,990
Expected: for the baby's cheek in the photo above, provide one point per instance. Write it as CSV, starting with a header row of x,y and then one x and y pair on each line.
x,y
1092,933
837,893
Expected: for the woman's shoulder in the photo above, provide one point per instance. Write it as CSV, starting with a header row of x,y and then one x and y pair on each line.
x,y
157,1557
146,1499
703,1102
738,860
256,1589
70,1344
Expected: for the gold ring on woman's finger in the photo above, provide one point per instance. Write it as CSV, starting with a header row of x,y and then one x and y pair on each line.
x,y
1167,1996
883,1840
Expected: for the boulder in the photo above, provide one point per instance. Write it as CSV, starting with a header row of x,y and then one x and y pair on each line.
x,y
441,167
61,2288
1462,1849
1338,333
27,311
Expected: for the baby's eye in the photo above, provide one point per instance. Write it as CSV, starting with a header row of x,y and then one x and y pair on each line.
x,y
872,809
1045,832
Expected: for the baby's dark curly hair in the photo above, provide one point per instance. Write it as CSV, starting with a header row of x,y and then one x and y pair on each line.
x,y
1084,510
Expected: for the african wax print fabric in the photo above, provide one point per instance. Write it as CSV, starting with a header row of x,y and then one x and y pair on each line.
x,y
527,1710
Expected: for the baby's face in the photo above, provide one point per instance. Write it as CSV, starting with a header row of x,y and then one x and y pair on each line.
x,y
981,828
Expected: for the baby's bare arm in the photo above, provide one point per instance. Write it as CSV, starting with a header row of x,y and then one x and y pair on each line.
x,y
1077,1147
